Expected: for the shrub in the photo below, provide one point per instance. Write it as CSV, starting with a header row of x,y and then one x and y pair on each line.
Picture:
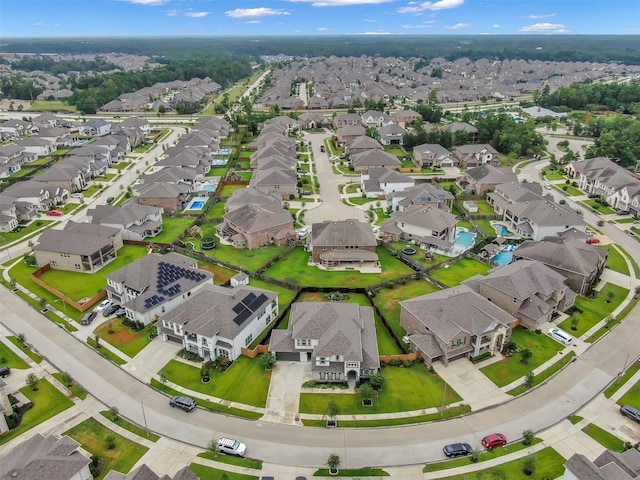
x,y
110,442
96,466
528,466
527,437
481,357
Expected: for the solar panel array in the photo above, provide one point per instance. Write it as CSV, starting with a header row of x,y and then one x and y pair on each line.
x,y
167,283
247,307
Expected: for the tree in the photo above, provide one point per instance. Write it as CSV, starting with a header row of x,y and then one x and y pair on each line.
x,y
110,442
334,462
22,338
529,380
366,393
115,413
32,381
67,379
525,356
574,323
529,466
527,437
332,412
268,360
376,381
212,446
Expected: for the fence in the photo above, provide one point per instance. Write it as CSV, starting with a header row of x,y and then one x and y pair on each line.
x,y
78,306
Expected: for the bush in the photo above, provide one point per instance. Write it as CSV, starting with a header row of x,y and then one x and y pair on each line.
x,y
481,357
110,442
527,437
96,466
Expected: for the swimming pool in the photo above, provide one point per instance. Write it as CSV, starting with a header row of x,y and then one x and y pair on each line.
x,y
502,231
209,188
197,203
465,239
503,258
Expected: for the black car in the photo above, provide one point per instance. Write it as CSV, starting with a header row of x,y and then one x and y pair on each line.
x,y
110,310
457,449
632,412
88,318
121,312
5,372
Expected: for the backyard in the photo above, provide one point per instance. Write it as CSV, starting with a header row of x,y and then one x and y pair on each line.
x,y
171,229
458,272
251,260
593,310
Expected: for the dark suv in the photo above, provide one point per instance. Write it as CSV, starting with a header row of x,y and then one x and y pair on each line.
x,y
457,449
185,403
110,310
632,412
88,318
5,372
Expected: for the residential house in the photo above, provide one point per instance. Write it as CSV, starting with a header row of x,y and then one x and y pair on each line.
x,y
513,192
253,226
284,182
375,158
136,123
454,323
346,119
374,119
537,219
143,472
474,155
338,339
391,134
454,127
32,192
404,117
527,289
95,128
79,247
66,174
46,458
8,214
433,155
486,177
38,145
135,221
362,144
171,197
345,135
579,262
251,196
378,182
14,129
426,194
312,121
607,466
219,322
344,244
155,284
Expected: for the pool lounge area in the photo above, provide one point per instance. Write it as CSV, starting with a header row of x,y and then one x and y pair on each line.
x,y
502,230
196,203
463,241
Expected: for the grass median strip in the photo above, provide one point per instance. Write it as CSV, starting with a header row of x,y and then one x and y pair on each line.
x,y
131,427
27,351
105,352
621,380
352,472
70,385
209,473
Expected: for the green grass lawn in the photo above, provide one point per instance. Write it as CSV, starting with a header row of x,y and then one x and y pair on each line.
x,y
632,397
594,310
232,460
120,166
26,350
246,381
293,268
359,200
131,427
571,191
604,438
420,255
252,260
388,301
105,352
123,338
548,464
405,389
484,208
47,401
91,190
553,174
217,172
209,473
545,374
621,380
73,388
615,260
106,178
486,227
216,211
458,272
8,237
92,435
227,190
592,204
171,229
9,359
352,472
510,369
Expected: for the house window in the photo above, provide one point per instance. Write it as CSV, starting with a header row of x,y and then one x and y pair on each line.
x,y
329,376
352,364
321,375
248,340
78,266
204,342
338,375
53,263
459,342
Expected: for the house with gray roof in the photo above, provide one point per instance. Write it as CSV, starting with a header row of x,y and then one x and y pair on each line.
x,y
313,120
251,196
403,117
143,472
375,158
38,145
433,155
348,133
136,123
362,144
474,155
254,226
537,219
607,466
375,118
344,244
95,128
46,458
391,134
347,119
80,247
454,323
427,194
338,339
281,181
486,177
526,289
378,182
579,262
155,284
135,221
513,192
219,322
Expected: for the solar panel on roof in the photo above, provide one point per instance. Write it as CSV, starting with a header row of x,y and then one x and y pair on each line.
x,y
249,298
242,316
257,302
238,308
160,299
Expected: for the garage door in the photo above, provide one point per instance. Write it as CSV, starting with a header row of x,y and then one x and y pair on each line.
x,y
174,339
288,356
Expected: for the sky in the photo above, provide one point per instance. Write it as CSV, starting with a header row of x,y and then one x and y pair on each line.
x,y
82,18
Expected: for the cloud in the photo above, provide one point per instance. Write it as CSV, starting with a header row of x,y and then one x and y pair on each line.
x,y
172,13
427,24
496,25
253,22
538,17
369,20
544,28
196,14
151,3
254,12
322,29
340,3
458,26
415,7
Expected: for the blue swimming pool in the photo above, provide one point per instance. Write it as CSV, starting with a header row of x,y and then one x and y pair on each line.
x,y
197,203
503,258
209,188
502,231
465,239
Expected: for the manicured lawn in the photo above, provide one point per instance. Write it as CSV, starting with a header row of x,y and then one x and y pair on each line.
x,y
632,397
458,272
132,427
420,255
483,208
388,301
121,166
286,295
553,174
8,237
252,260
91,190
106,178
598,207
9,359
217,172
232,460
171,229
485,226
594,310
209,473
615,260
510,369
571,191
246,381
405,389
548,464
74,389
216,211
47,401
449,412
352,472
546,373
604,438
105,352
293,268
624,378
227,190
26,350
92,435
359,200
123,338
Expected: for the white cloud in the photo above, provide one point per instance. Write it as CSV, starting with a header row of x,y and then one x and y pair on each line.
x,y
253,22
369,20
496,25
322,29
415,7
152,3
458,26
196,14
545,28
427,24
172,13
340,3
538,17
254,12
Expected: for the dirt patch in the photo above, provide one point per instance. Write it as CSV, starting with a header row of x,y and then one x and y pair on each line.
x,y
312,297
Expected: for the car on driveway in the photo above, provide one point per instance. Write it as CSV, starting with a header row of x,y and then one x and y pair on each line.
x,y
303,232
121,312
88,317
55,213
77,195
110,310
5,372
103,305
494,440
632,412
593,240
457,449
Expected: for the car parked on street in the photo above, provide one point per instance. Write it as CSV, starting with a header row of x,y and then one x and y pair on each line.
x,y
457,449
494,440
185,403
55,213
632,412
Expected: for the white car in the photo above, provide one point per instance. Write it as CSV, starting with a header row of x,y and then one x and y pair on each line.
x,y
77,195
303,232
103,304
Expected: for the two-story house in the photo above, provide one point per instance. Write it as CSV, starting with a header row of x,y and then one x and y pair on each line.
x,y
426,194
253,226
345,244
135,221
377,182
433,155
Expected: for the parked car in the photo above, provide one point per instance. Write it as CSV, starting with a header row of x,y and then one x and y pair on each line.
x,y
303,232
121,312
232,447
103,305
561,336
632,412
593,240
306,192
88,317
457,449
55,213
594,195
110,310
322,148
185,403
110,199
547,186
623,212
5,372
494,440
77,195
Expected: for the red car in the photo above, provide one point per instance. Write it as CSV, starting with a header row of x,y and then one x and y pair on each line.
x,y
494,440
593,240
55,213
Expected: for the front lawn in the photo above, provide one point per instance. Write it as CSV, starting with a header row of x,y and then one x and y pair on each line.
x,y
604,438
210,473
405,389
91,190
132,427
124,338
632,395
9,237
458,272
246,381
624,378
596,206
615,260
92,435
293,268
594,309
171,229
511,369
9,359
47,401
252,260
